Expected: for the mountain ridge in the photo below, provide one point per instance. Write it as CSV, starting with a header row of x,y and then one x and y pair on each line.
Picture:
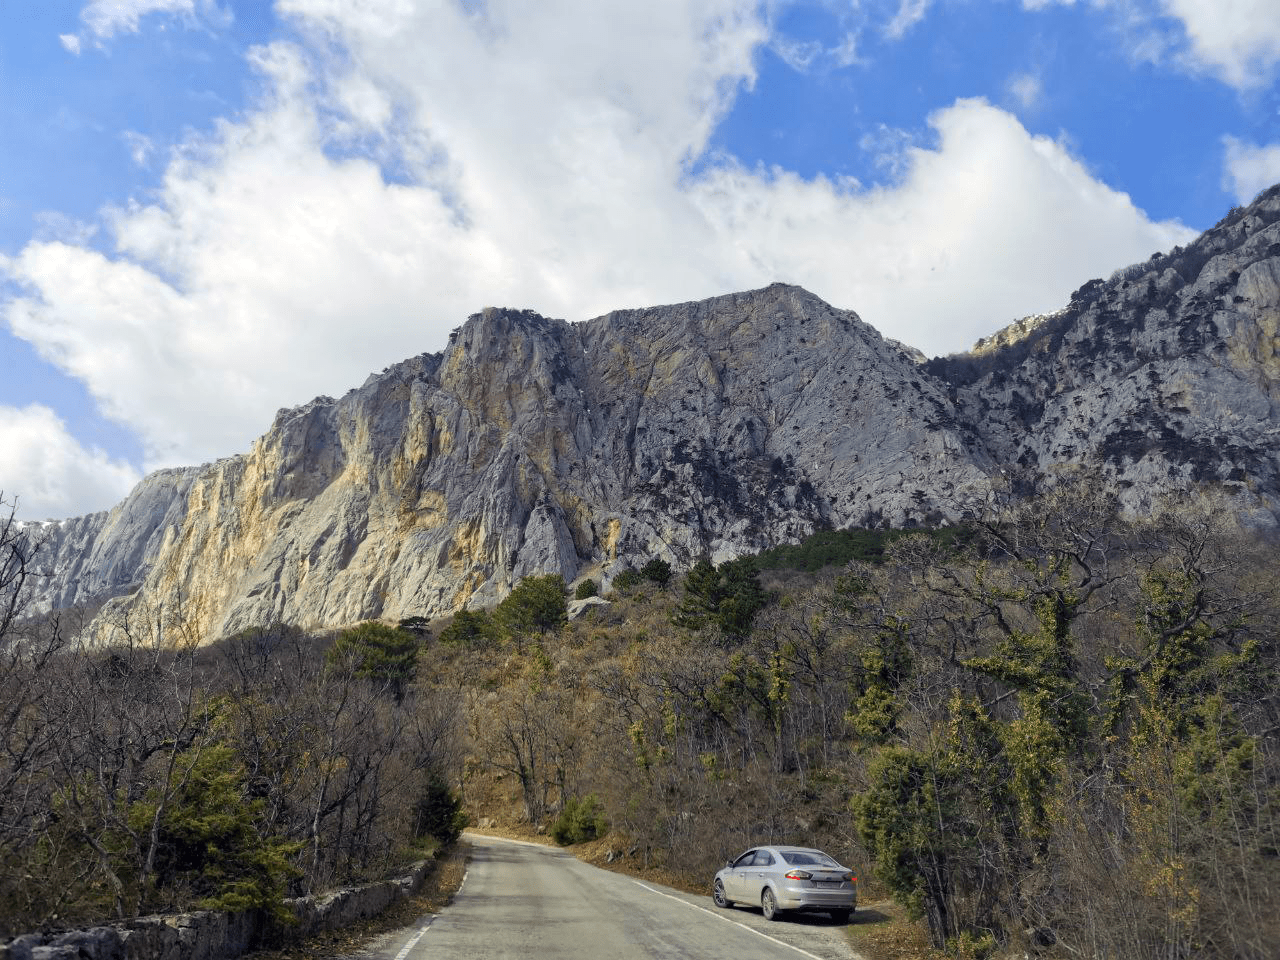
x,y
715,427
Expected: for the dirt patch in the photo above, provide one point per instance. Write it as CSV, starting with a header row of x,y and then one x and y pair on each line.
x,y
883,931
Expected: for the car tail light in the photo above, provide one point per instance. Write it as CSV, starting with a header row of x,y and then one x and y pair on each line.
x,y
799,875
850,877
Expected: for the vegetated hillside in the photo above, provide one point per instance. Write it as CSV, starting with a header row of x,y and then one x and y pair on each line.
x,y
718,428
1056,733
163,774
1060,736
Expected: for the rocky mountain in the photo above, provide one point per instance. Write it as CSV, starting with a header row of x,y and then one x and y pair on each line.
x,y
537,445
1167,374
100,555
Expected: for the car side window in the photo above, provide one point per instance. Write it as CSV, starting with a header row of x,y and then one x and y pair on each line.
x,y
746,859
764,859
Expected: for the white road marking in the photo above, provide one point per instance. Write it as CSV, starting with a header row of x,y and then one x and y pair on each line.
x,y
719,916
404,951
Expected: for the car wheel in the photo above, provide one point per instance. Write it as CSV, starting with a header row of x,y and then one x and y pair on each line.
x,y
717,894
841,916
769,905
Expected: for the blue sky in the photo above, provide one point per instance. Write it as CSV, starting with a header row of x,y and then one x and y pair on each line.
x,y
211,209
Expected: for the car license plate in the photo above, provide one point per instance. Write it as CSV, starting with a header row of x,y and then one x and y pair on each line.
x,y
828,883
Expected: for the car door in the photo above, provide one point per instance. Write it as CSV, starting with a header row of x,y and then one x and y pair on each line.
x,y
735,877
756,875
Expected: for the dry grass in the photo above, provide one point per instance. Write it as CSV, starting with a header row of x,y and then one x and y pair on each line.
x,y
437,891
883,931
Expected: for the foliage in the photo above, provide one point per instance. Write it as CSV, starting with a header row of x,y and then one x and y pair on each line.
x,y
586,589
383,654
537,605
581,820
469,629
726,597
438,812
419,626
657,571
210,842
627,580
838,548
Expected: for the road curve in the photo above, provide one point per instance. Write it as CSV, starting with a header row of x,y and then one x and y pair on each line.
x,y
523,900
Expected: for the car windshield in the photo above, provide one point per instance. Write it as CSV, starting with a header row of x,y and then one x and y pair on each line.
x,y
808,858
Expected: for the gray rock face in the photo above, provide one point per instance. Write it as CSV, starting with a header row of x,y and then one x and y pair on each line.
x,y
102,555
1167,374
532,445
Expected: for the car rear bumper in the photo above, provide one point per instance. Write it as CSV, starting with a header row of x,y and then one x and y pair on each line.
x,y
792,899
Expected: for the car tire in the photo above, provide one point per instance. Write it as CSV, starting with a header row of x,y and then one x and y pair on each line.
x,y
841,916
718,897
769,905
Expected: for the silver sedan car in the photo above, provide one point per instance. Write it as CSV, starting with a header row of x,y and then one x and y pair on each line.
x,y
787,878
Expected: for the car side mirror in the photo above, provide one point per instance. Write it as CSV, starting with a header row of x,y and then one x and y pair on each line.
x,y
728,863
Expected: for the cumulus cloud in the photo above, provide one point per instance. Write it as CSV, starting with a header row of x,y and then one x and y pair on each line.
x,y
1239,40
989,225
552,156
49,473
70,42
1248,169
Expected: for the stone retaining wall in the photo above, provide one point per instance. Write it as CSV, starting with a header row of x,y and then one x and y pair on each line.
x,y
214,935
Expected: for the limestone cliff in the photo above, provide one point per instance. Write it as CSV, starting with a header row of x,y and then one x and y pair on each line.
x,y
537,445
1167,374
534,445
87,559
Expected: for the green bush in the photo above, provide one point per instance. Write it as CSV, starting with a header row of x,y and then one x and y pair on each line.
x,y
384,654
586,589
626,581
536,605
469,629
438,813
210,843
657,570
580,820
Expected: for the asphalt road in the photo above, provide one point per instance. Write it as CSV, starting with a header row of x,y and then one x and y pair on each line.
x,y
522,900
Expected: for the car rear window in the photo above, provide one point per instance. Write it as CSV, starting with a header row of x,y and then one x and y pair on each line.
x,y
810,858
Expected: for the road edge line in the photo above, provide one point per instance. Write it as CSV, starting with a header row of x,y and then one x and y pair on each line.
x,y
718,916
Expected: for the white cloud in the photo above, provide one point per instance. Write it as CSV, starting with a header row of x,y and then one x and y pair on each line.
x,y
1249,169
1027,89
845,53
797,54
140,146
70,42
107,18
1238,40
910,12
990,225
53,225
542,158
49,473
